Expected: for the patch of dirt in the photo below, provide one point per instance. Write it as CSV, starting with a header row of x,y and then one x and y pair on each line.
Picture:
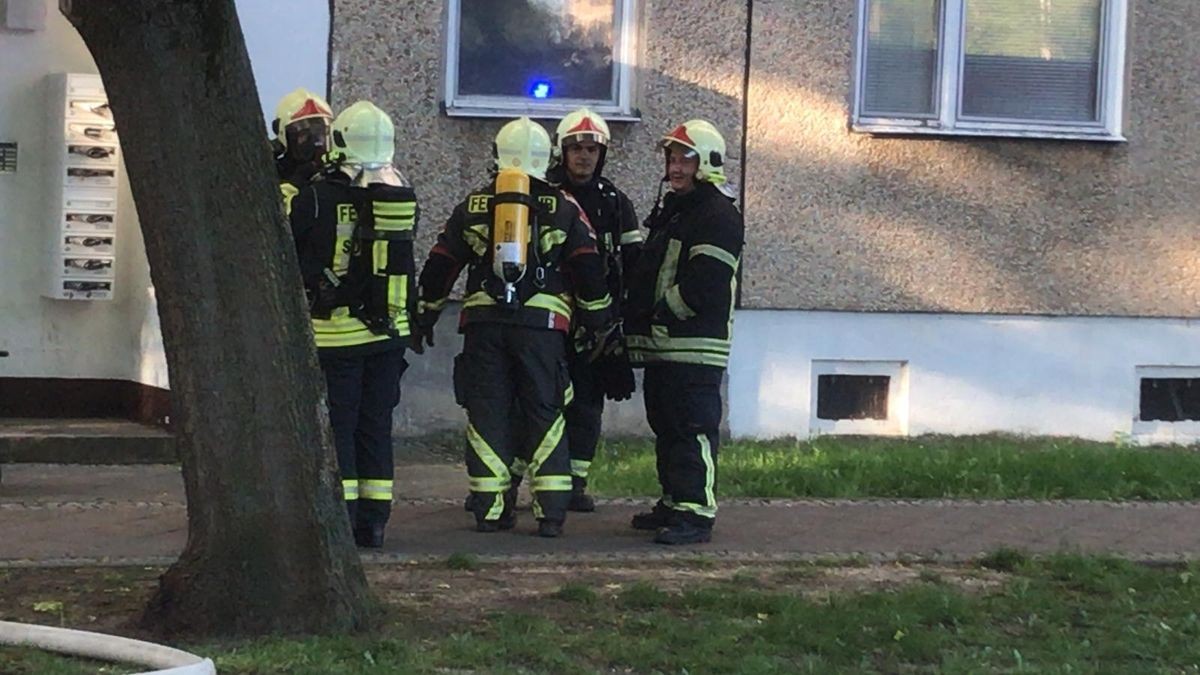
x,y
109,600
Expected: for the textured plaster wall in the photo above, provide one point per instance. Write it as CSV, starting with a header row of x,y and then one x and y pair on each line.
x,y
693,65
838,220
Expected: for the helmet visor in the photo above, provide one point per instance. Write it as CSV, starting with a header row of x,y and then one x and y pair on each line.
x,y
308,139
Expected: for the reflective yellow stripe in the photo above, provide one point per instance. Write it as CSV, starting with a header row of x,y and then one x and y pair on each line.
x,y
379,258
579,468
342,330
378,490
493,462
432,305
549,302
666,272
632,237
289,193
477,237
551,484
545,448
350,489
709,508
676,304
488,485
715,252
660,348
398,302
595,305
552,238
394,209
569,394
479,299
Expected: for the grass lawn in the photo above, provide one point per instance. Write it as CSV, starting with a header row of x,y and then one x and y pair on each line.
x,y
1004,614
978,467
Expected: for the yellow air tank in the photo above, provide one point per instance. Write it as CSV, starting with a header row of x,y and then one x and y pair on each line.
x,y
510,231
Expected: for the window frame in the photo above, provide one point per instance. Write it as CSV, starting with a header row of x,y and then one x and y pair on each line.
x,y
947,118
619,109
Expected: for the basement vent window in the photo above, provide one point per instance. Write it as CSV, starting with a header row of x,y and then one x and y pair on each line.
x,y
1168,404
852,397
859,397
1170,399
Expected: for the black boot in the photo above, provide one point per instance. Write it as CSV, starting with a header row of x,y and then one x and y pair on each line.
x,y
581,501
550,528
369,536
684,531
506,521
658,517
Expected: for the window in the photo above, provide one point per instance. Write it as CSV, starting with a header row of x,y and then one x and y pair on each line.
x,y
859,397
539,57
1168,404
1033,68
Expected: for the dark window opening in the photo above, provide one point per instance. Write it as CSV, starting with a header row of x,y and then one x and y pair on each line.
x,y
1170,399
852,397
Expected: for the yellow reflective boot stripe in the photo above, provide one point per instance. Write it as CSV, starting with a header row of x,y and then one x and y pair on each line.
x,y
676,304
709,508
715,252
378,490
551,484
350,489
544,449
493,462
580,467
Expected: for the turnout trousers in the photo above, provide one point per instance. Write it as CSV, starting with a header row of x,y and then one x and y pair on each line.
x,y
583,414
683,407
513,382
363,391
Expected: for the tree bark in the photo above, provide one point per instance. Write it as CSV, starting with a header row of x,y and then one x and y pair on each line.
x,y
269,548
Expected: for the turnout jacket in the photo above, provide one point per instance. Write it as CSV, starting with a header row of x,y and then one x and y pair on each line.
x,y
564,272
355,247
613,219
682,291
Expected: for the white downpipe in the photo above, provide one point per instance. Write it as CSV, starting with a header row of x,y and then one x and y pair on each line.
x,y
165,660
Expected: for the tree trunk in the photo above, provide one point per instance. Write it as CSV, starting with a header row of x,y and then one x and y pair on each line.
x,y
269,546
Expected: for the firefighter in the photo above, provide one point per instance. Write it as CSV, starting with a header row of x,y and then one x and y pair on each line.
x,y
301,128
531,264
580,149
679,326
354,228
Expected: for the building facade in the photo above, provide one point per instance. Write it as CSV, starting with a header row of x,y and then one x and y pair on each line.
x,y
961,216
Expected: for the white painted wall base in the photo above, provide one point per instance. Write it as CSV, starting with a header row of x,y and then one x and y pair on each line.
x,y
967,374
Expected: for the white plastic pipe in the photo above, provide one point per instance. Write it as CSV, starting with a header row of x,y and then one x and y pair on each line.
x,y
165,660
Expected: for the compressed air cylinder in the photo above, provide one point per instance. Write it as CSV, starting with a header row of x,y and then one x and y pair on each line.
x,y
510,231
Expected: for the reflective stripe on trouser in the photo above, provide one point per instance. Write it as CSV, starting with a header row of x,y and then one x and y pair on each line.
x,y
513,389
683,407
583,415
363,391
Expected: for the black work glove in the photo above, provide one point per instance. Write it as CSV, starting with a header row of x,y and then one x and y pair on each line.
x,y
422,334
613,368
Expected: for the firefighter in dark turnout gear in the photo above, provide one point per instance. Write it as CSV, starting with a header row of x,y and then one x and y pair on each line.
x,y
511,376
679,327
580,148
354,230
301,128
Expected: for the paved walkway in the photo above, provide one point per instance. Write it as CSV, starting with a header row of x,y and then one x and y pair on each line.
x,y
56,514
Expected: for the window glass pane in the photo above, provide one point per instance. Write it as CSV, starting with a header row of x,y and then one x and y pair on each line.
x,y
901,57
1032,59
537,48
